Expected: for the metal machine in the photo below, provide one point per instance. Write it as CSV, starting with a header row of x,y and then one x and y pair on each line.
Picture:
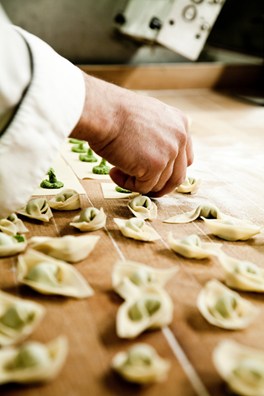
x,y
180,25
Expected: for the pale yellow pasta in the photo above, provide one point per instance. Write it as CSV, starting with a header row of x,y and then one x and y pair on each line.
x,y
38,209
12,225
136,228
18,318
11,245
241,367
141,364
142,207
153,308
48,275
33,361
89,219
67,199
192,247
208,211
224,308
189,186
242,275
69,248
232,229
130,277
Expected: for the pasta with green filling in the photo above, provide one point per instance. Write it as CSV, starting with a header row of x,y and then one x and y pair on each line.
x,y
225,308
48,275
141,364
33,361
241,367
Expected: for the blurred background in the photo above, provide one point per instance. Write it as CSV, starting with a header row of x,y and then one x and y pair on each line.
x,y
84,31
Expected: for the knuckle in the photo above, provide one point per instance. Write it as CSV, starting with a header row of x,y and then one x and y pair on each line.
x,y
142,188
182,138
157,165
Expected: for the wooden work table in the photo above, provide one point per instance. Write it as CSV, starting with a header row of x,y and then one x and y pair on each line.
x,y
228,137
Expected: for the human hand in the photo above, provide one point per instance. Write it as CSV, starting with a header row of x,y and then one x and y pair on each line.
x,y
146,140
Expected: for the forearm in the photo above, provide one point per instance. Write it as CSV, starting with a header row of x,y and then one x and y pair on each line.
x,y
101,114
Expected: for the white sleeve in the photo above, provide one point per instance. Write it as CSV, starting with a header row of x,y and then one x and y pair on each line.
x,y
14,80
48,112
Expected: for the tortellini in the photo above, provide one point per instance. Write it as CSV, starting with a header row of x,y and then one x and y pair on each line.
x,y
89,219
232,229
207,211
224,308
189,186
242,275
12,225
18,318
137,229
241,367
192,247
69,248
66,200
33,361
142,207
38,209
152,308
141,364
130,277
11,245
51,276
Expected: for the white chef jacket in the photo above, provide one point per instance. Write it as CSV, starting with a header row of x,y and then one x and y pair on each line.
x,y
41,100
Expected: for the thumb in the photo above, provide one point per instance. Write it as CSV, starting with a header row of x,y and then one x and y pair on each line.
x,y
132,183
122,179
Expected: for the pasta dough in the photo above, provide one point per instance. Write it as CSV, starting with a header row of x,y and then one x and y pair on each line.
x,y
66,200
33,361
89,219
50,276
11,245
242,275
83,170
152,308
38,209
69,248
12,225
208,211
192,247
142,207
224,308
136,229
241,367
232,229
18,318
109,192
189,186
141,364
130,277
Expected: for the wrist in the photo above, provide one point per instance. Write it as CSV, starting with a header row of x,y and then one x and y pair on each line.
x,y
101,113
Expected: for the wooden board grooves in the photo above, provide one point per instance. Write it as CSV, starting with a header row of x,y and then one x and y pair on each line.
x,y
228,140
